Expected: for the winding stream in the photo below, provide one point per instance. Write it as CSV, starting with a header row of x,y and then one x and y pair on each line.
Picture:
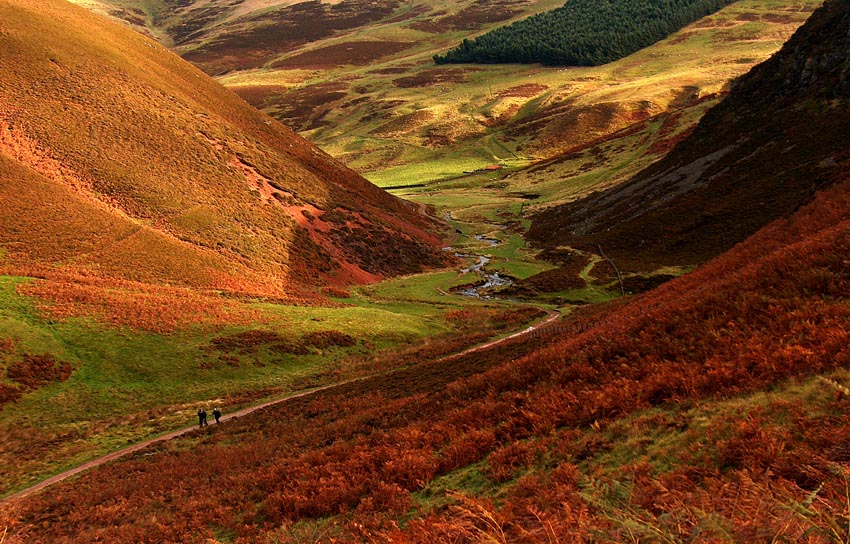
x,y
491,280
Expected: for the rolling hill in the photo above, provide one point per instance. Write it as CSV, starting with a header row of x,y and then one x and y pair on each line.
x,y
222,36
371,96
121,160
711,409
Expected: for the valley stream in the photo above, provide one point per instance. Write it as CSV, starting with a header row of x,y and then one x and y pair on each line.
x,y
489,281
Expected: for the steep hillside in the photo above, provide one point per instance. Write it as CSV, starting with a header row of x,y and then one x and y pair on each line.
x,y
222,35
120,159
777,138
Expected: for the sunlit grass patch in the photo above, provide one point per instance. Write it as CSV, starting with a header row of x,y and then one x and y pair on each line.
x,y
426,172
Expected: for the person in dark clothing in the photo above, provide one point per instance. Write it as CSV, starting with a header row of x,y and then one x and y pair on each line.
x,y
202,418
216,414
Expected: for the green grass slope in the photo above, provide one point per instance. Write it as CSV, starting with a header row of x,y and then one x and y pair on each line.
x,y
715,405
92,366
373,97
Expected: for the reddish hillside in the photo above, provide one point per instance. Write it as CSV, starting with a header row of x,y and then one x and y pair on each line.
x,y
538,425
121,160
773,309
779,136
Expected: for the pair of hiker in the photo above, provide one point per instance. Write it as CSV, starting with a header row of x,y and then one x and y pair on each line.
x,y
202,416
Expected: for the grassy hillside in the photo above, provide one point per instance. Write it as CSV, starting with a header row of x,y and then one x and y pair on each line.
x,y
369,93
710,409
164,244
142,359
714,405
183,182
371,96
400,119
558,134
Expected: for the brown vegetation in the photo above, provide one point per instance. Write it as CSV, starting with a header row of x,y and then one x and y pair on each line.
x,y
359,53
565,277
473,17
28,372
146,171
772,310
255,40
435,76
523,91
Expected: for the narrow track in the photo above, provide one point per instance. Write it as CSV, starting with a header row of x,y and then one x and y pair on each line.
x,y
551,316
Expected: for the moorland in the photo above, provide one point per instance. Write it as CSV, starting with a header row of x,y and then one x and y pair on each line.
x,y
167,247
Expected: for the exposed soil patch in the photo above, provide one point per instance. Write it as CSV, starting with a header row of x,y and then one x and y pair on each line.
x,y
348,53
528,90
434,77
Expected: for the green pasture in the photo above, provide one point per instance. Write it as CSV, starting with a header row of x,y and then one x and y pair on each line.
x,y
425,172
117,370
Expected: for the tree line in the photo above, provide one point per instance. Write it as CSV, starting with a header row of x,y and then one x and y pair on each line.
x,y
583,32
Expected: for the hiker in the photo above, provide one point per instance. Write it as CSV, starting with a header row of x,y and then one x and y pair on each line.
x,y
202,417
216,415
